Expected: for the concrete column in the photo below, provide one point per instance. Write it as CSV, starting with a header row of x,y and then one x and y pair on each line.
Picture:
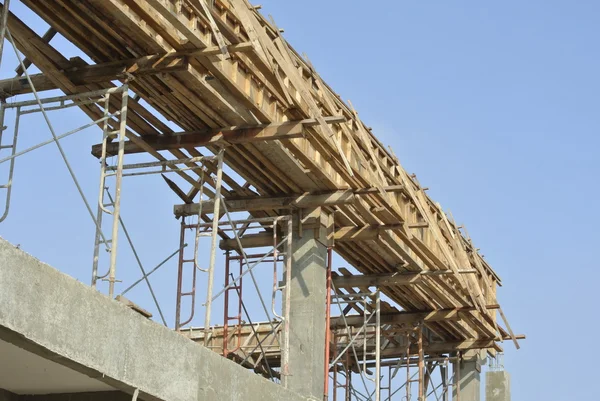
x,y
469,377
307,313
497,386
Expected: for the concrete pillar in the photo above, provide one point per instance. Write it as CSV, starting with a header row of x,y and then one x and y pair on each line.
x,y
469,377
497,386
307,313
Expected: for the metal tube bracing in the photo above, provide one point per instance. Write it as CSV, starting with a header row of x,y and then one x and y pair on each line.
x,y
213,245
3,25
117,201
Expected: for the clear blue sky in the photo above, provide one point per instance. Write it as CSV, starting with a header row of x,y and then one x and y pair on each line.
x,y
494,105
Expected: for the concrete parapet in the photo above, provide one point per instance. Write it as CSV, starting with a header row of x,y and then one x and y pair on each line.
x,y
55,316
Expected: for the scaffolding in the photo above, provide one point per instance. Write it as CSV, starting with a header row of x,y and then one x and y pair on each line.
x,y
357,368
366,357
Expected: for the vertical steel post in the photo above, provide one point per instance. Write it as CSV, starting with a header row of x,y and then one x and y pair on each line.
x,y
408,378
119,179
180,275
225,304
377,345
213,246
327,322
457,376
237,288
285,350
13,147
99,237
3,25
275,276
444,373
335,369
348,387
421,363
2,111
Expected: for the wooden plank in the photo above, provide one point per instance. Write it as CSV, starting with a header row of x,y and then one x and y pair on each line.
x,y
221,136
92,74
373,280
248,241
115,70
47,37
363,233
512,335
399,318
265,203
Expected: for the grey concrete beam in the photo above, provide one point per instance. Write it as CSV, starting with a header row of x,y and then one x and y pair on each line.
x,y
61,319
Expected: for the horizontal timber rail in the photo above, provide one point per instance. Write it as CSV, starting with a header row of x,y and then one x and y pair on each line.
x,y
115,70
298,201
262,333
221,136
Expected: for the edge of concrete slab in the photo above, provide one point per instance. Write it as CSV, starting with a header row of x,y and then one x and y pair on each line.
x,y
61,319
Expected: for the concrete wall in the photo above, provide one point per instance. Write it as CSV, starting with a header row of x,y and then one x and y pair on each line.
x,y
55,316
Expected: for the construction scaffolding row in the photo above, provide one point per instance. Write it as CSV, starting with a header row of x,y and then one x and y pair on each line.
x,y
416,305
355,339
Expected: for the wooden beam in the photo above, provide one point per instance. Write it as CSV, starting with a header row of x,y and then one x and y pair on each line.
x,y
341,234
98,73
399,318
370,280
50,33
512,335
222,136
114,70
408,317
362,233
437,348
447,347
260,240
265,203
389,188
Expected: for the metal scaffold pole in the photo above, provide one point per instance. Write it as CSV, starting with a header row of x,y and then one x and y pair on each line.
x,y
3,25
377,345
213,245
117,200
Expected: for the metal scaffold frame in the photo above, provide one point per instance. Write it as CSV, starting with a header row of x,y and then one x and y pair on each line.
x,y
119,171
242,92
355,350
109,204
281,230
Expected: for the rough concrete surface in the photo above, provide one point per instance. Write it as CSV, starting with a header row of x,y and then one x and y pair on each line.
x,y
470,377
497,386
307,315
55,316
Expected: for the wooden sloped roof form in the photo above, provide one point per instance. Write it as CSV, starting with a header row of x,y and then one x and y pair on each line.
x,y
239,71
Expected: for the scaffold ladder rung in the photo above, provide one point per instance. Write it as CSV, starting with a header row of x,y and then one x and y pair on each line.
x,y
13,150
